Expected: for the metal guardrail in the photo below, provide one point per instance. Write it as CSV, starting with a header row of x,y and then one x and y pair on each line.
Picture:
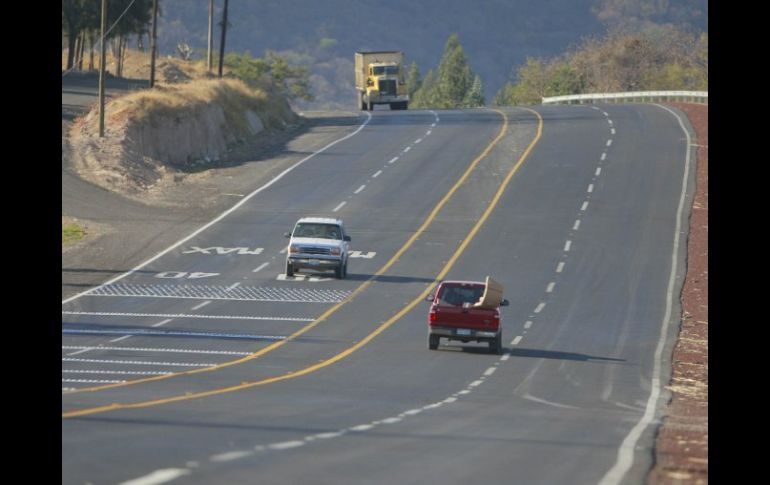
x,y
631,97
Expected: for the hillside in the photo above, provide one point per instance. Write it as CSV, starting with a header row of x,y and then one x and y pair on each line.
x,y
497,35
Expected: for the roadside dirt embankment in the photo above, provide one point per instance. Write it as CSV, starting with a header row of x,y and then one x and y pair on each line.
x,y
161,136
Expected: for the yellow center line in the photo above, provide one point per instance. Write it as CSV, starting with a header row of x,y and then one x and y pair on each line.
x,y
326,314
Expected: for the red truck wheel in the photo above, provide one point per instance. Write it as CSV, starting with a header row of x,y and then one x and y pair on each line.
x,y
433,342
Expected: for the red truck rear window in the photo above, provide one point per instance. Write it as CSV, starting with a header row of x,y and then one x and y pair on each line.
x,y
458,295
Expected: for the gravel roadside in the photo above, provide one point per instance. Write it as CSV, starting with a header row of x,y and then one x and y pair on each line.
x,y
681,450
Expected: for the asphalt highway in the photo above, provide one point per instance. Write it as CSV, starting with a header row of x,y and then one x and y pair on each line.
x,y
209,365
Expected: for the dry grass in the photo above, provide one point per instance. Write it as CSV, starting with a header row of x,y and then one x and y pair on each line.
x,y
147,106
136,65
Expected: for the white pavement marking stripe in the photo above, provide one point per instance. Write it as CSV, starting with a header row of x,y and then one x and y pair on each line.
x,y
604,156
418,140
231,455
584,206
590,188
201,305
225,213
120,372
358,190
86,349
490,371
137,362
609,142
376,174
208,292
153,349
516,340
560,267
233,286
120,338
163,322
407,149
159,476
169,333
567,245
612,130
258,268
549,289
93,381
576,225
428,132
626,450
527,324
339,206
185,315
540,307
392,160
598,171
286,445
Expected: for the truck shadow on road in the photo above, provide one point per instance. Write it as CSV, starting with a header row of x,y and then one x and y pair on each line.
x,y
529,353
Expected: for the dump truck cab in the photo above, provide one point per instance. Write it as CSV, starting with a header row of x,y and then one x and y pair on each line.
x,y
380,79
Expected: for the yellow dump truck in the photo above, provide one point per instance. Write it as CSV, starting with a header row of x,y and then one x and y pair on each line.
x,y
380,79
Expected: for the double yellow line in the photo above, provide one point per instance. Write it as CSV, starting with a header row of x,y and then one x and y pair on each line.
x,y
345,353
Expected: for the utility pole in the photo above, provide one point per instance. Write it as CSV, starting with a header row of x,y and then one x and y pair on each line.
x,y
211,36
222,43
153,41
102,67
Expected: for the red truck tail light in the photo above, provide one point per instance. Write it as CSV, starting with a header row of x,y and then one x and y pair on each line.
x,y
432,315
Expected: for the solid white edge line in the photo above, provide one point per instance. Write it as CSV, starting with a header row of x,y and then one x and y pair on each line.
x,y
222,215
625,457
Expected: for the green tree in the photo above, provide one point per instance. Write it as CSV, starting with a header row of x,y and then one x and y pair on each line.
x,y
413,80
427,94
475,95
271,72
454,75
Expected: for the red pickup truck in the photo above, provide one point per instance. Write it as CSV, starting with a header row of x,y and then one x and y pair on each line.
x,y
461,311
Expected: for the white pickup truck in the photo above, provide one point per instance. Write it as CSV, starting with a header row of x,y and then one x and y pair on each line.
x,y
318,243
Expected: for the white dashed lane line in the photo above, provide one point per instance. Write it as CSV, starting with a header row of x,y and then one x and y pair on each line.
x,y
609,142
258,268
407,149
377,174
549,288
584,206
590,188
604,156
576,225
560,267
201,305
598,171
163,322
392,160
358,190
540,307
516,340
567,245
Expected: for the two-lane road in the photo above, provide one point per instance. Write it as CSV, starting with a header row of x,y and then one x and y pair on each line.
x,y
210,365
